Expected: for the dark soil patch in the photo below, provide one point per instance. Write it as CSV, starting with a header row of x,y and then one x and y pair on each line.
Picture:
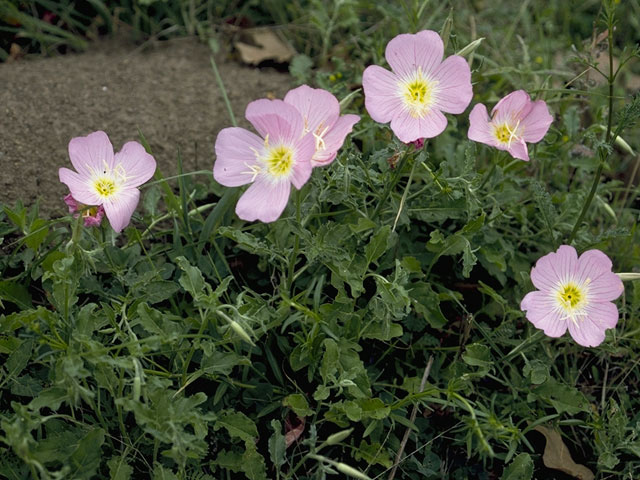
x,y
167,90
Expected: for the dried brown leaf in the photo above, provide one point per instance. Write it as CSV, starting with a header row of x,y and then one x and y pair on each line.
x,y
557,456
293,430
259,44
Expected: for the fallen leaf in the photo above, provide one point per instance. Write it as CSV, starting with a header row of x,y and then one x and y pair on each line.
x,y
15,52
293,430
259,44
556,455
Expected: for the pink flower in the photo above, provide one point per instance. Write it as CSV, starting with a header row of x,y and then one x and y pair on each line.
x,y
271,164
320,112
514,120
92,215
419,89
107,180
574,293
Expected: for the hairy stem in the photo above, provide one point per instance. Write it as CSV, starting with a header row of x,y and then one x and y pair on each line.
x,y
603,153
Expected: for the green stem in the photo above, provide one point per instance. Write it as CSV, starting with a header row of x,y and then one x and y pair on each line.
x,y
296,246
603,153
391,185
494,163
203,324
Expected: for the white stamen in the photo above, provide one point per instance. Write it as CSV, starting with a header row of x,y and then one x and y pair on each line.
x,y
320,145
512,133
254,171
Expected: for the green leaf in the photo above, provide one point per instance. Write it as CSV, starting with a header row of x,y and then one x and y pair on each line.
x,y
37,232
300,68
571,120
298,403
222,362
477,355
537,371
246,241
161,473
426,302
373,454
158,291
15,293
377,245
521,468
253,464
352,410
119,469
191,280
329,364
321,393
50,398
374,408
19,359
563,397
230,460
238,425
545,206
469,260
277,444
86,459
474,225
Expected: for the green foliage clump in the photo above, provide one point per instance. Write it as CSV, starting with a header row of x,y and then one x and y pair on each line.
x,y
380,314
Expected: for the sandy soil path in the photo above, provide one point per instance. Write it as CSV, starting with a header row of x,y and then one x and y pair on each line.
x,y
166,90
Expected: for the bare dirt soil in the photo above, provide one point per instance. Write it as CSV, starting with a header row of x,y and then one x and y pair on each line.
x,y
166,89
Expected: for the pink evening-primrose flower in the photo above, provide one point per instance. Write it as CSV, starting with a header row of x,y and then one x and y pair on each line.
x,y
515,121
320,112
575,293
420,87
106,180
270,163
92,216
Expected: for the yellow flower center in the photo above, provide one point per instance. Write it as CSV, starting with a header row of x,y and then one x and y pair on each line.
x,y
104,186
570,296
502,133
90,212
506,132
279,161
418,94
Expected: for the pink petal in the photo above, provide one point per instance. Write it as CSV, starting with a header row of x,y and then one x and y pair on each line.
x,y
537,122
71,203
334,139
555,267
512,107
317,106
279,120
91,153
586,333
517,149
304,148
120,208
454,85
79,187
137,163
406,52
381,98
263,200
594,267
408,128
606,287
542,312
235,156
94,220
480,127
589,330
